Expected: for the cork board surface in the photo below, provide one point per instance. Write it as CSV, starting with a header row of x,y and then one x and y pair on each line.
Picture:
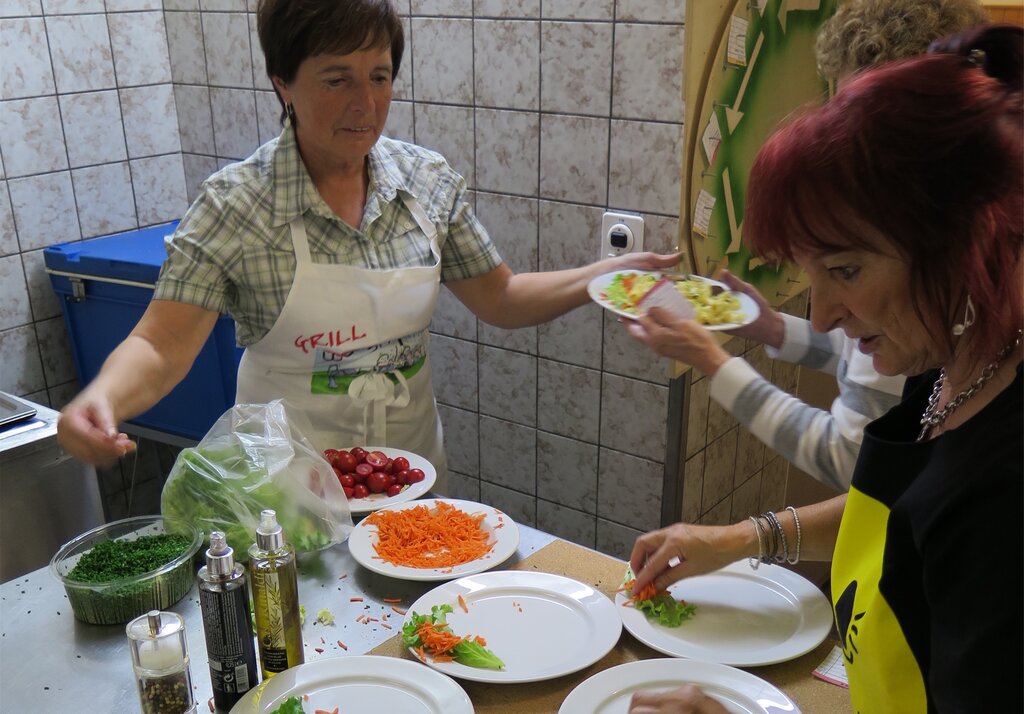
x,y
604,573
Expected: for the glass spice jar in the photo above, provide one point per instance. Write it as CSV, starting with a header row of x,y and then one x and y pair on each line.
x,y
160,660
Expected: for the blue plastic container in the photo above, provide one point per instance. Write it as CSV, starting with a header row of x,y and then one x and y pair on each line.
x,y
105,285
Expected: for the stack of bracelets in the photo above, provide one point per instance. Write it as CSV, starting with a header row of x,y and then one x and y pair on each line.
x,y
772,545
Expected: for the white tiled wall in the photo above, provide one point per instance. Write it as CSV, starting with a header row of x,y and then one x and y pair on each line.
x,y
115,110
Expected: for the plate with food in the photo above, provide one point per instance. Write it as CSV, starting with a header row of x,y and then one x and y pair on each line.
x,y
610,691
356,684
717,307
375,477
736,616
511,626
433,539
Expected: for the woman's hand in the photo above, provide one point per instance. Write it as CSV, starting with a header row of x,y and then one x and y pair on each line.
x,y
768,328
695,550
680,339
687,699
88,431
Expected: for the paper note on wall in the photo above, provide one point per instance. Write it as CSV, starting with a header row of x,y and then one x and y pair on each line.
x,y
736,50
711,138
702,212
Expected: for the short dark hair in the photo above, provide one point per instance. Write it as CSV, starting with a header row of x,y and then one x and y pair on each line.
x,y
292,31
927,152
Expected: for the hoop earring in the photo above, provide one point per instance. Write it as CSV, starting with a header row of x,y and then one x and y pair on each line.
x,y
969,315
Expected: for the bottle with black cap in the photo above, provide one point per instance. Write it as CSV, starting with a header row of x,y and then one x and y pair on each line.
x,y
275,595
227,623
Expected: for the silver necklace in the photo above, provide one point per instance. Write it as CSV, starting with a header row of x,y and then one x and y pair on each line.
x,y
933,416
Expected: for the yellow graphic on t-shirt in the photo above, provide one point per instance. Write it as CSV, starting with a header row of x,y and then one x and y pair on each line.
x,y
884,675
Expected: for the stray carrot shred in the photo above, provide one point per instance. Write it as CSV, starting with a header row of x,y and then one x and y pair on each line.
x,y
342,576
324,711
318,650
371,619
209,703
342,645
355,599
392,599
384,624
480,641
399,610
305,697
421,537
462,604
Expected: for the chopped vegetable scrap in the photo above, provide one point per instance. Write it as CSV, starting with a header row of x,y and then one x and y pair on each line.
x,y
325,617
657,604
462,604
431,635
291,705
423,537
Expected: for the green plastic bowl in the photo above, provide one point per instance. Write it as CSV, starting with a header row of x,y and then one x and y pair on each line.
x,y
119,601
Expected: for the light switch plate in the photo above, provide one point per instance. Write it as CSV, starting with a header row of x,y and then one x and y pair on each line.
x,y
621,233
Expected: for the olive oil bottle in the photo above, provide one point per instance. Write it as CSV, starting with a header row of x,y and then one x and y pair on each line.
x,y
275,595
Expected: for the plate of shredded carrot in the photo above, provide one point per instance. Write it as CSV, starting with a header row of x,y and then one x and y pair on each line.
x,y
359,684
740,617
433,539
540,625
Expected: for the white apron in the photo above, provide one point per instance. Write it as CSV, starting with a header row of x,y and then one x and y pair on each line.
x,y
321,353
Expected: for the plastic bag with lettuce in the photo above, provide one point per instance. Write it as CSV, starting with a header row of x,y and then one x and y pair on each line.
x,y
256,457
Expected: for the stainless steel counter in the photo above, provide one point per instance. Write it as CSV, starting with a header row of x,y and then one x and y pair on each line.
x,y
46,498
50,662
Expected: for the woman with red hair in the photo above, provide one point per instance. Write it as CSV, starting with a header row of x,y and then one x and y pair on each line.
x,y
903,200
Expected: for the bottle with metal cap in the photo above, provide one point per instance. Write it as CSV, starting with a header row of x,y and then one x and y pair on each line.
x,y
227,624
160,661
275,594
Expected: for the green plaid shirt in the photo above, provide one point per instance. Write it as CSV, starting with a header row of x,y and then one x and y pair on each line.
x,y
232,251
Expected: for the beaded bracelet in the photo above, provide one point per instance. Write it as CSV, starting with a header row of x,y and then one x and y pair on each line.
x,y
796,522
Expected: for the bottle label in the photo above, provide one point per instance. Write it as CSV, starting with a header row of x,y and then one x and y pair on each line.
x,y
273,649
229,643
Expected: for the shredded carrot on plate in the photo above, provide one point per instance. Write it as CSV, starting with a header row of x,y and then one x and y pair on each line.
x,y
462,604
646,593
422,537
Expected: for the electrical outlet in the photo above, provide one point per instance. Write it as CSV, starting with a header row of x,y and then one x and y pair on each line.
x,y
621,233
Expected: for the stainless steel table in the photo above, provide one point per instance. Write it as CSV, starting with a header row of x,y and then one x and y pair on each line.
x,y
50,662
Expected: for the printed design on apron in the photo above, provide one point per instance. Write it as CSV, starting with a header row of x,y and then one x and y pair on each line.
x,y
334,367
877,654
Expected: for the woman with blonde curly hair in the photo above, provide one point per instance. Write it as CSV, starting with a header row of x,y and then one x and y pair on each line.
x,y
869,32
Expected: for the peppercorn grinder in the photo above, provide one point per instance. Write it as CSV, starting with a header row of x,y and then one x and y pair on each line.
x,y
160,660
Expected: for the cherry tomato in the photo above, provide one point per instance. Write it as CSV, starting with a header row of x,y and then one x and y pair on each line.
x,y
360,454
394,489
364,469
329,454
416,475
358,477
347,481
389,467
344,461
401,463
377,482
377,460
402,477
360,491
348,491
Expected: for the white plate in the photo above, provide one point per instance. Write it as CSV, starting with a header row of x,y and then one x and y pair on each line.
x,y
505,537
744,617
360,685
600,284
540,625
609,692
380,500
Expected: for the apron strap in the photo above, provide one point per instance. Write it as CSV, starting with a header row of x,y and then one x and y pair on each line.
x,y
424,222
299,240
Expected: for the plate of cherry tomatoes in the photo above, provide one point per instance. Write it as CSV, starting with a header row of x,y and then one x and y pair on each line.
x,y
377,476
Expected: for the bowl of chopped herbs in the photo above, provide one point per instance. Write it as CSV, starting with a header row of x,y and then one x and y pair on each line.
x,y
125,568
